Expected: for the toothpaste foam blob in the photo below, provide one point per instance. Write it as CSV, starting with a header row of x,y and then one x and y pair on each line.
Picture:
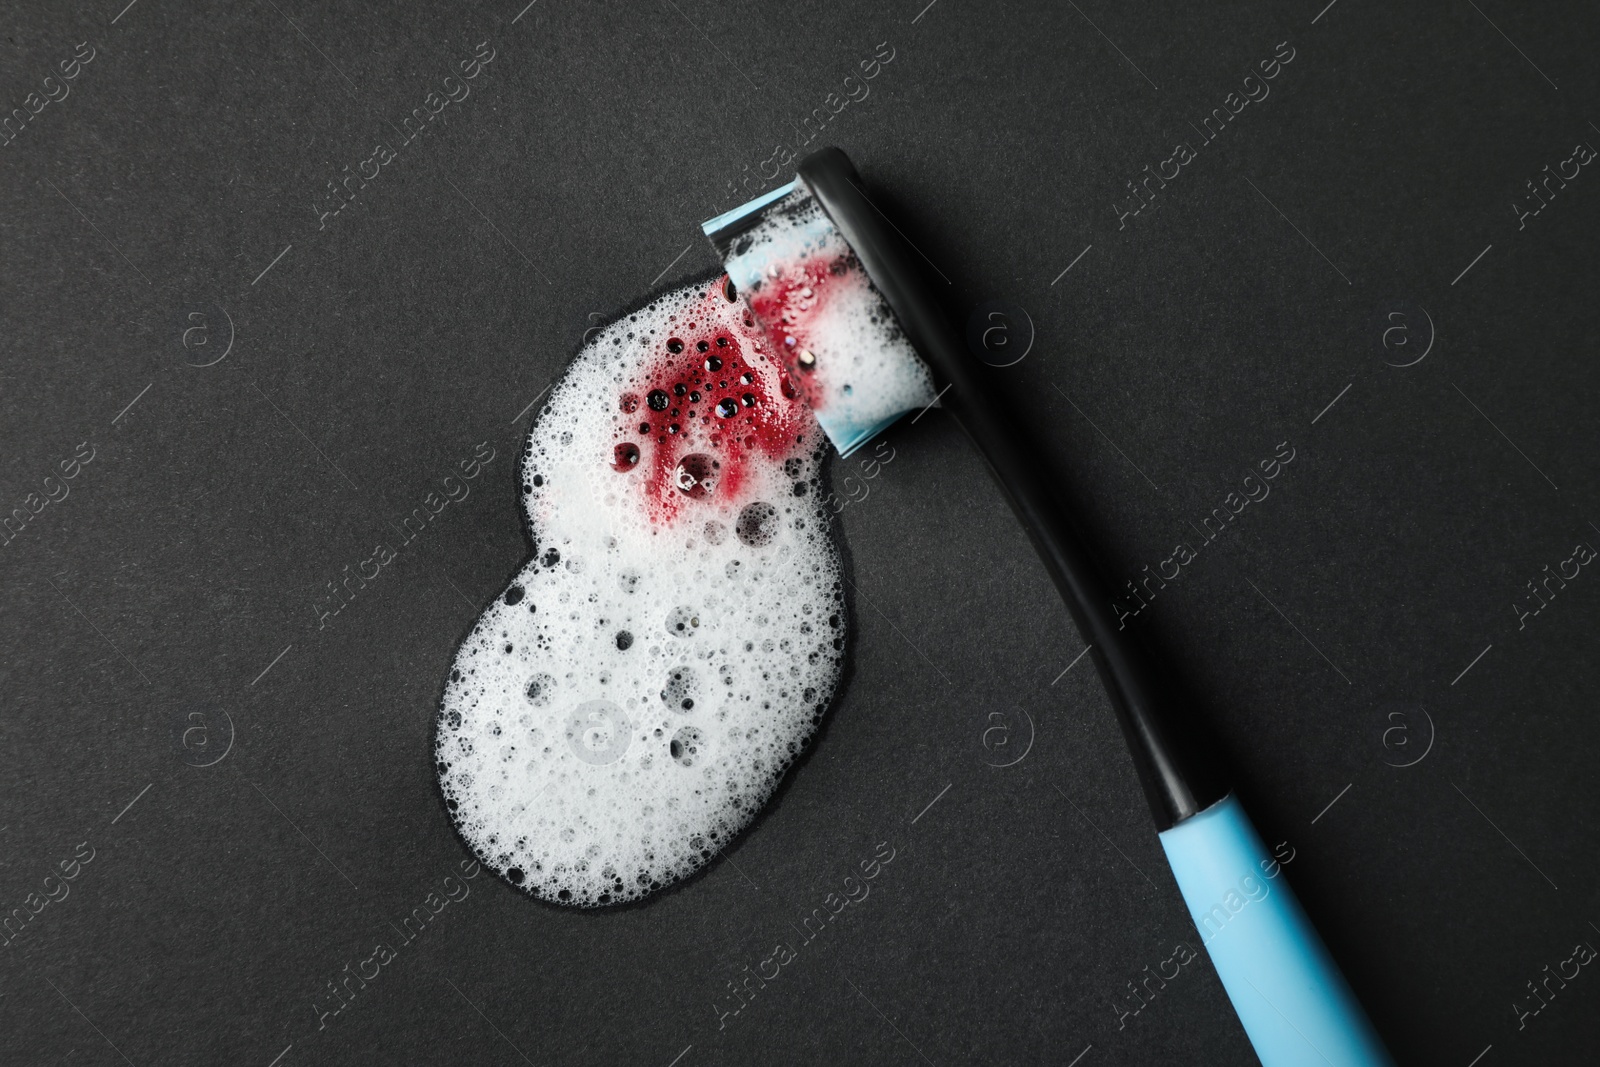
x,y
633,698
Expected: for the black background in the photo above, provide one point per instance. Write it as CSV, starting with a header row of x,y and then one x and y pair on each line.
x,y
182,574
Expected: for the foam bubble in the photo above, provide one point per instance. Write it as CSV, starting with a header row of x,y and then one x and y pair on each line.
x,y
634,698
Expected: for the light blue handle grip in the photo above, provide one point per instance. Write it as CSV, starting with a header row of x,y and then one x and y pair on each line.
x,y
1295,1005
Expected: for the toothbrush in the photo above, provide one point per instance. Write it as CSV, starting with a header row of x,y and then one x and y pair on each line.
x,y
1294,1003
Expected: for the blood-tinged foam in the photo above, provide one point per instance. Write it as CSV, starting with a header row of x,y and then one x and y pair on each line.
x,y
633,698
709,392
788,304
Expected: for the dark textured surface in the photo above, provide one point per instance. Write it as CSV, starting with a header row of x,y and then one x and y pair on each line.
x,y
178,584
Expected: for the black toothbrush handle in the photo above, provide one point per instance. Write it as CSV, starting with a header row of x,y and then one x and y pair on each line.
x,y
1180,773
1290,996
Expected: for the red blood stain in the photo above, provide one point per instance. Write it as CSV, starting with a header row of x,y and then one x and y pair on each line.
x,y
786,305
710,393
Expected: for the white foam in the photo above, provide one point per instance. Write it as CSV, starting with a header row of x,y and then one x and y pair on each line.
x,y
591,767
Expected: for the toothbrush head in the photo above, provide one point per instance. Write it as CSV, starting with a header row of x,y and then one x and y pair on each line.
x,y
842,346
